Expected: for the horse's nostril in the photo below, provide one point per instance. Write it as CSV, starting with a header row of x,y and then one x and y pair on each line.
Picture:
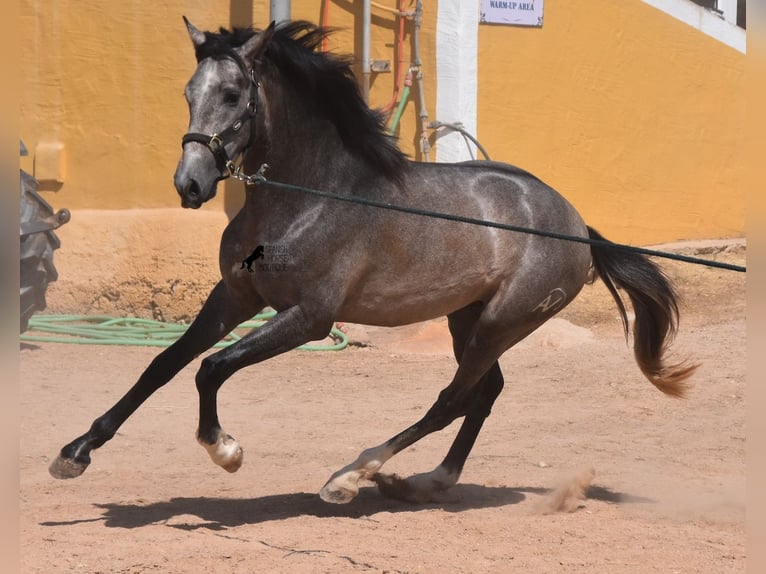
x,y
193,190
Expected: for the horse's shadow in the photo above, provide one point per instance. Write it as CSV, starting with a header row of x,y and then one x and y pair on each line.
x,y
222,513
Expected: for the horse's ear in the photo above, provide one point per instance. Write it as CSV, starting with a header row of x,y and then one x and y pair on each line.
x,y
197,37
254,48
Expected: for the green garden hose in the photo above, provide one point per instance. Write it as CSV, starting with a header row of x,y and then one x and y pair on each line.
x,y
399,110
132,331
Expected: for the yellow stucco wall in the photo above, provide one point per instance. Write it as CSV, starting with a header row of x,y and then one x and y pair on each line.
x,y
635,117
105,80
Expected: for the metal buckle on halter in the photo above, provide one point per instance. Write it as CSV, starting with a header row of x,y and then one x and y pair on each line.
x,y
215,142
232,168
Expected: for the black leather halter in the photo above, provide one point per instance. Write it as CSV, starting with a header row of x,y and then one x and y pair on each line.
x,y
216,142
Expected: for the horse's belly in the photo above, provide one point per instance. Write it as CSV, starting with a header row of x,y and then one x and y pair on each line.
x,y
401,302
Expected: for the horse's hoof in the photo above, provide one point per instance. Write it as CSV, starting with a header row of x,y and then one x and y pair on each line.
x,y
336,494
225,452
234,462
340,489
392,486
66,468
418,489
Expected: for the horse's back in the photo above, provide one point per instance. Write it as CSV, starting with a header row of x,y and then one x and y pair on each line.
x,y
504,193
497,192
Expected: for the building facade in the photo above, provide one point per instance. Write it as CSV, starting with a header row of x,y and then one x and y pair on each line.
x,y
629,109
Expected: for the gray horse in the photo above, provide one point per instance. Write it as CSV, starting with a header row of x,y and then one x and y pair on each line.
x,y
270,97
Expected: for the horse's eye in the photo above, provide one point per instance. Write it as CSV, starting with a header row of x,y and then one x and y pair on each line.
x,y
231,98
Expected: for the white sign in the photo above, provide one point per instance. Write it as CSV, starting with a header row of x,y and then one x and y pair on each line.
x,y
518,13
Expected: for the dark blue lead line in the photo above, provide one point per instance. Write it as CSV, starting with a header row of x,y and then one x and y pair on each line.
x,y
260,179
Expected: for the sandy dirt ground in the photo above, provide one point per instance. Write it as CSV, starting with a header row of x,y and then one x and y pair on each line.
x,y
583,466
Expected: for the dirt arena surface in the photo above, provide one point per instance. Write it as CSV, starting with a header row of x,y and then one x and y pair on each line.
x,y
662,480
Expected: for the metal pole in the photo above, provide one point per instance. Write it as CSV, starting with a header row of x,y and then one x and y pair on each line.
x,y
279,10
425,145
366,24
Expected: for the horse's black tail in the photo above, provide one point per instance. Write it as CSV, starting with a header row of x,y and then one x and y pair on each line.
x,y
655,304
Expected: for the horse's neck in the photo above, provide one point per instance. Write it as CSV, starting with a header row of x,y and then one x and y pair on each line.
x,y
311,156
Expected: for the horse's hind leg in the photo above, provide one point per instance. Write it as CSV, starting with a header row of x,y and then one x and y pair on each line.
x,y
427,486
424,487
474,388
218,316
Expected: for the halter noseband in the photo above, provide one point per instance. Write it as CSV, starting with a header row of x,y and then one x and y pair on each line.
x,y
216,143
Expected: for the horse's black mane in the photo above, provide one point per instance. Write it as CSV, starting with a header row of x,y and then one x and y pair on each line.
x,y
325,83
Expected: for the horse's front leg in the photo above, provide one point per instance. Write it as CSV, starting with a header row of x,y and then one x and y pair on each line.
x,y
218,316
287,330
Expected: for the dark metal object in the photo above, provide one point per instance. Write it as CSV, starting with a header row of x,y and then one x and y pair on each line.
x,y
37,222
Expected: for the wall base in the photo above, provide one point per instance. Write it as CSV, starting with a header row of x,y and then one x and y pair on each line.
x,y
149,263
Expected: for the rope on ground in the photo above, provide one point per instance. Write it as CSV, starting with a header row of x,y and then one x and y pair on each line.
x,y
105,330
260,179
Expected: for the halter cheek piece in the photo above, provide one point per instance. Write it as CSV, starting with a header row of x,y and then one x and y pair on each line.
x,y
216,143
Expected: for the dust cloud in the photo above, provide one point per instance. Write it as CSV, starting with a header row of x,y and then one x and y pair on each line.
x,y
568,494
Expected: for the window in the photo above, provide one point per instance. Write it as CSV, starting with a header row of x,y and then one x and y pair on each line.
x,y
736,10
723,20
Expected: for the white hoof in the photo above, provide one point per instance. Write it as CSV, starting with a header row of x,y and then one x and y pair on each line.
x,y
343,486
226,452
341,489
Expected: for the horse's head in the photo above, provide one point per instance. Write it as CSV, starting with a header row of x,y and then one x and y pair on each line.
x,y
223,103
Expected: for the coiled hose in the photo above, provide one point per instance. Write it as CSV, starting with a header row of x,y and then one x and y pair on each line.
x,y
132,331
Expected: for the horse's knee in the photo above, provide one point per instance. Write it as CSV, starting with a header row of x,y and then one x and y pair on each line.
x,y
210,375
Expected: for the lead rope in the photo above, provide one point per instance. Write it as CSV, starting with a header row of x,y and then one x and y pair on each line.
x,y
259,178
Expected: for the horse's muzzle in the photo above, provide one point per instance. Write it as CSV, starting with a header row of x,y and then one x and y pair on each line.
x,y
193,193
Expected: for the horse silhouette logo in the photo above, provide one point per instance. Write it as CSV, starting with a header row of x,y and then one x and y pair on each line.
x,y
248,262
